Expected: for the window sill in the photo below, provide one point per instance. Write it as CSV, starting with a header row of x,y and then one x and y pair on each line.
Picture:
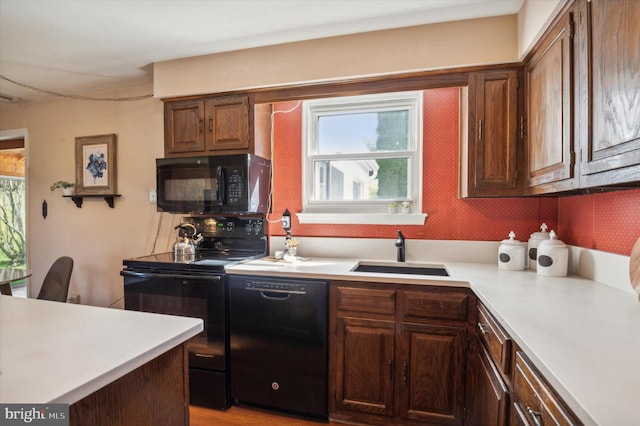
x,y
363,218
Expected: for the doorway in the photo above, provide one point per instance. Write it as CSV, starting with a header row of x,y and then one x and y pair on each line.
x,y
13,205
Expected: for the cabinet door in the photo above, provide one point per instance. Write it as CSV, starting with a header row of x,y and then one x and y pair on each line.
x,y
495,339
549,88
227,123
534,401
431,365
364,366
490,401
610,92
184,126
492,163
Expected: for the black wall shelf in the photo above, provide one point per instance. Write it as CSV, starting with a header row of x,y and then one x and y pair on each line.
x,y
77,199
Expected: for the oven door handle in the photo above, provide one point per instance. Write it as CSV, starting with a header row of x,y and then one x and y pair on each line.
x,y
178,276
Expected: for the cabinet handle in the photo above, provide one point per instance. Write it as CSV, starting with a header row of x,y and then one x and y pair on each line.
x,y
390,370
535,416
405,370
479,130
210,124
483,330
522,127
200,127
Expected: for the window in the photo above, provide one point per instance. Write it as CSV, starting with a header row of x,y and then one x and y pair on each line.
x,y
362,153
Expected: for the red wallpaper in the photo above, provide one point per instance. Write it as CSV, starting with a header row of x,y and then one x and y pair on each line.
x,y
609,221
451,217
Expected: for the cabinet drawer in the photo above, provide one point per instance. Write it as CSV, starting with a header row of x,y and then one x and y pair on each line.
x,y
369,300
534,401
449,305
495,339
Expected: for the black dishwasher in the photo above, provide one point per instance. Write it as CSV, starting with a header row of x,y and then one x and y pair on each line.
x,y
278,339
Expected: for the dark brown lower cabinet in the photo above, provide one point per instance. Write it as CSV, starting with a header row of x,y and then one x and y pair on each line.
x,y
365,355
505,388
534,401
489,405
388,371
431,382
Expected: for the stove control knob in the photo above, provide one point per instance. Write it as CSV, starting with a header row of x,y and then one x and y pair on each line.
x,y
275,386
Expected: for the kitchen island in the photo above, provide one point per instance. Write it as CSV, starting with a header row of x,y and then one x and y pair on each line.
x,y
583,336
111,366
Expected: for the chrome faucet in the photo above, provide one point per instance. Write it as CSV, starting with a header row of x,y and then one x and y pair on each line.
x,y
400,246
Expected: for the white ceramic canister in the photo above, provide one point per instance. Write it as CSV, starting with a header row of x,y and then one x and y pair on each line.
x,y
553,257
511,254
534,242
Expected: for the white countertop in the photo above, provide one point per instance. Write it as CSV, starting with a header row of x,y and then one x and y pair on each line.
x,y
52,352
583,336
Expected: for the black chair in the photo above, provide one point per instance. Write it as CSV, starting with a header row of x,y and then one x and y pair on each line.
x,y
56,283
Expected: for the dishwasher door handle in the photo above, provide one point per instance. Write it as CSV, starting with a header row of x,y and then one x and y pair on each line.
x,y
277,296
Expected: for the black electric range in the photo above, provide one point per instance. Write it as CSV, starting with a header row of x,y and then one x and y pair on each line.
x,y
196,287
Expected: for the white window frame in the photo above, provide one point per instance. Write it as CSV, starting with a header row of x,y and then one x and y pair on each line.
x,y
370,211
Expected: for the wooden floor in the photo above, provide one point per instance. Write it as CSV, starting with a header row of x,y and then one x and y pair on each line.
x,y
241,416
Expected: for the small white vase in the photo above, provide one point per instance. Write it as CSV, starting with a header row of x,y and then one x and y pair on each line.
x,y
68,191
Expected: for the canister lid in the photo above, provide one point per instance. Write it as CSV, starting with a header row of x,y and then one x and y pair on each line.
x,y
553,240
512,240
542,235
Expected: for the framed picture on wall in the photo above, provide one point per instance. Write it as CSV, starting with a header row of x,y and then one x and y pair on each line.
x,y
96,165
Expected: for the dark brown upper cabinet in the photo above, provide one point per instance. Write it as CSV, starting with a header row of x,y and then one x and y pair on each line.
x,y
550,155
216,126
609,92
582,99
184,127
490,165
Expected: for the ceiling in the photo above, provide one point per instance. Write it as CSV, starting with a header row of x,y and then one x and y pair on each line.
x,y
84,47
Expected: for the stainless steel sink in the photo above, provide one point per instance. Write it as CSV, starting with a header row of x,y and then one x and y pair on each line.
x,y
402,269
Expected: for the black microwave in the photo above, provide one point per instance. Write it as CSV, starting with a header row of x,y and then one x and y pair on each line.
x,y
213,184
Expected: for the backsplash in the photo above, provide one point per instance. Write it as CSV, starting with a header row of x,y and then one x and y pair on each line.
x,y
450,217
607,222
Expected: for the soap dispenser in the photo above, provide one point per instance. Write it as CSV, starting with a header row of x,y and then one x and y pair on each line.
x,y
553,257
511,254
534,242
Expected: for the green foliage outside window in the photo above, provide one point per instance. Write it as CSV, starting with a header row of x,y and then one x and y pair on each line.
x,y
12,222
392,136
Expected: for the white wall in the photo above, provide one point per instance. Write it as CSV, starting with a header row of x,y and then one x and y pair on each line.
x,y
533,18
424,47
97,237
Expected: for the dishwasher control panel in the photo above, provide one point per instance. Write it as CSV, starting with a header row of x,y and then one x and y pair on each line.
x,y
290,287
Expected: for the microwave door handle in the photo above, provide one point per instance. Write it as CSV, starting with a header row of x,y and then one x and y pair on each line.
x,y
221,195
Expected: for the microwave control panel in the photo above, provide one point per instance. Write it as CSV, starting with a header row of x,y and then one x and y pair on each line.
x,y
236,191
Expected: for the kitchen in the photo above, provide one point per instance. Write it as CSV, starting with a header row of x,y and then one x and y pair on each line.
x,y
606,222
